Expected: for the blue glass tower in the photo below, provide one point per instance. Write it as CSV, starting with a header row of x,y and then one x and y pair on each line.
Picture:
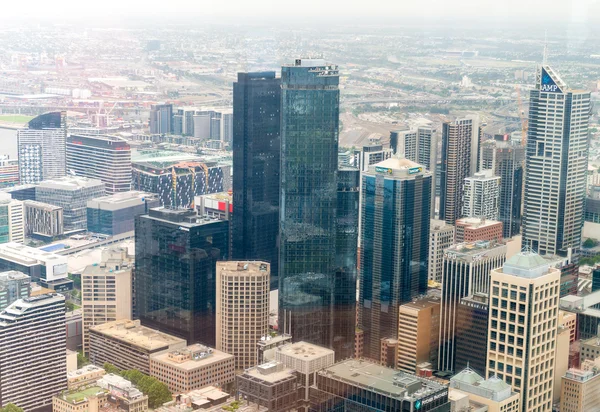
x,y
395,206
309,149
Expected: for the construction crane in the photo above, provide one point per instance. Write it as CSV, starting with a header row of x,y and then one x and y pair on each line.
x,y
524,121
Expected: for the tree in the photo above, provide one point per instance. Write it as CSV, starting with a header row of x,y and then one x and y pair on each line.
x,y
590,243
110,368
81,360
158,394
11,407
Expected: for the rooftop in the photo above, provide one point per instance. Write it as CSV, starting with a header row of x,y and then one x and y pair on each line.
x,y
18,252
89,369
75,397
192,357
243,268
41,205
271,372
184,218
526,264
132,332
304,350
470,381
476,222
422,303
70,183
13,275
398,166
473,248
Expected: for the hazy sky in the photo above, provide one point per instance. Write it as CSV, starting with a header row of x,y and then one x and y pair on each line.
x,y
248,10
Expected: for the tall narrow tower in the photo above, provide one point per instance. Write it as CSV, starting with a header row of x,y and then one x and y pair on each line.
x,y
556,162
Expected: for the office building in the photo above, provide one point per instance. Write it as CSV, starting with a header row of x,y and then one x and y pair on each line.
x,y
470,342
441,237
115,214
481,196
493,394
556,162
418,334
242,309
346,261
309,139
256,168
193,367
522,328
460,151
589,348
33,370
585,308
267,344
176,253
592,205
127,344
271,385
307,360
13,286
72,194
9,171
472,229
104,157
42,148
85,376
160,118
226,132
202,124
419,145
362,385
21,192
111,392
106,290
580,388
394,246
46,268
43,220
220,206
466,271
370,155
12,219
506,160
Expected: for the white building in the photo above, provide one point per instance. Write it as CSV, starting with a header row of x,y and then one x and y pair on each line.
x,y
441,237
13,228
481,195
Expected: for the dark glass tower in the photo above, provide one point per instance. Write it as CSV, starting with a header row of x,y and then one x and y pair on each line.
x,y
346,249
309,150
395,207
175,268
256,164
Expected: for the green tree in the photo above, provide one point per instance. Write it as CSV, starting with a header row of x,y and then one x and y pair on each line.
x,y
158,394
81,360
590,243
110,368
11,407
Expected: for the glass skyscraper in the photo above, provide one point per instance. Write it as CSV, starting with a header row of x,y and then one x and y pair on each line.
x,y
309,150
256,164
176,253
395,219
556,161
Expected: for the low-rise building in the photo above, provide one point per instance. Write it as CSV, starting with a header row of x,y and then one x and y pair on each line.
x,y
13,285
193,367
493,393
580,388
267,344
129,345
418,333
271,385
84,376
43,220
472,229
115,214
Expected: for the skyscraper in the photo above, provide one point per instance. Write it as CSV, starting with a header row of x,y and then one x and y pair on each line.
x,y
176,253
522,328
467,269
506,160
160,118
556,161
460,154
394,245
309,140
418,144
256,165
441,237
107,158
481,195
42,148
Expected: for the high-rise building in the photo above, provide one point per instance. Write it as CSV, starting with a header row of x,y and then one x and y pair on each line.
x,y
370,155
42,151
466,271
33,352
481,195
470,340
460,154
12,219
506,159
309,140
256,164
394,246
160,118
556,163
115,214
104,157
176,254
472,229
13,285
522,328
42,219
9,171
226,132
418,144
441,237
346,259
242,309
418,333
106,290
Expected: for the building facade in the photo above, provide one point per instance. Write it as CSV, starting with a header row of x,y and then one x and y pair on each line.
x,y
42,148
270,385
580,388
522,328
556,165
9,171
394,246
106,158
419,145
481,196
471,344
176,253
418,334
32,371
309,139
13,286
42,219
115,214
370,155
472,229
12,219
441,237
256,172
161,116
242,309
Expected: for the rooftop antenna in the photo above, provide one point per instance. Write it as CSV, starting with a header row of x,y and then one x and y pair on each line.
x,y
545,56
